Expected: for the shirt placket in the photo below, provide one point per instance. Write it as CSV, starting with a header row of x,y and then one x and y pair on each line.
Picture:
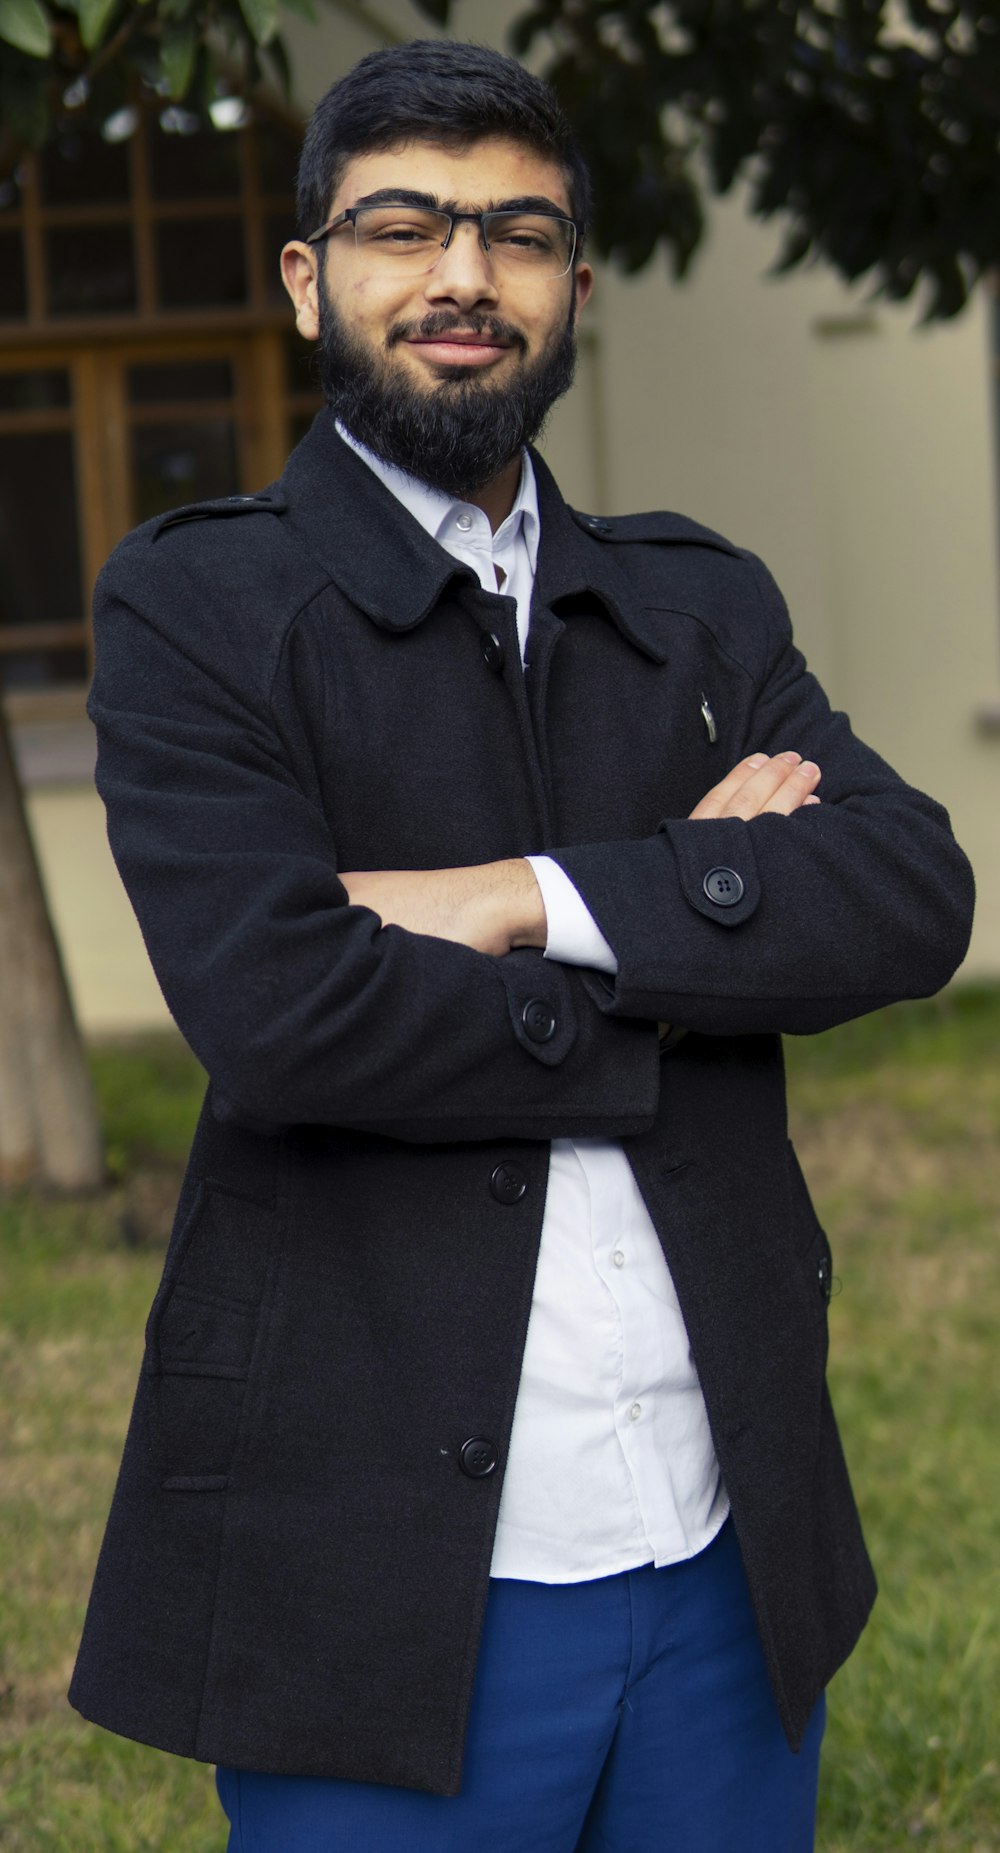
x,y
614,1262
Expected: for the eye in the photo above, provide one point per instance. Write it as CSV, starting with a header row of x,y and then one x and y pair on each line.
x,y
396,229
521,236
539,239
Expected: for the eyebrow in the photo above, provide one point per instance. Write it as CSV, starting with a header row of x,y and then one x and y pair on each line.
x,y
406,196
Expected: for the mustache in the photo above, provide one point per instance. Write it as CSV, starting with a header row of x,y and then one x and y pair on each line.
x,y
447,322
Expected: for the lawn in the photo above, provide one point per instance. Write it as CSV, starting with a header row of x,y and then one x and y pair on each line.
x,y
897,1120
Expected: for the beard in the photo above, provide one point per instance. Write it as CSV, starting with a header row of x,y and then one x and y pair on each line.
x,y
458,433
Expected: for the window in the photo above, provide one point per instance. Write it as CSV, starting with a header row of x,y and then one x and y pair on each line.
x,y
175,216
147,359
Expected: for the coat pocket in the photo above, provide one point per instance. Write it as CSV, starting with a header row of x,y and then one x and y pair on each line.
x,y
202,1334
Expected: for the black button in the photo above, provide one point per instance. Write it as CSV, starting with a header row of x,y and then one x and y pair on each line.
x,y
824,1278
493,651
539,1019
597,524
478,1457
724,887
508,1183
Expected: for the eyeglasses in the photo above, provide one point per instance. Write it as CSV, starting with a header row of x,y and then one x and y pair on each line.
x,y
398,239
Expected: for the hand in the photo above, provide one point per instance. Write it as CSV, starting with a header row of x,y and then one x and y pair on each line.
x,y
757,785
492,907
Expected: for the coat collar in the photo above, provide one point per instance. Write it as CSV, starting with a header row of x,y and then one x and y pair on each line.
x,y
386,565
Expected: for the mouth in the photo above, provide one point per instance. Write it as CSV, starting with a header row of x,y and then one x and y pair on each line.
x,y
458,349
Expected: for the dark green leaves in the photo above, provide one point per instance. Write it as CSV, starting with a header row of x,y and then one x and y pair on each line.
x,y
872,129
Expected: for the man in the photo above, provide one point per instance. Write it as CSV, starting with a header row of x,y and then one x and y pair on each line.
x,y
482,1488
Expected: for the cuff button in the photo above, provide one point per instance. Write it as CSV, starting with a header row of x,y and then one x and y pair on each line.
x,y
539,1020
724,887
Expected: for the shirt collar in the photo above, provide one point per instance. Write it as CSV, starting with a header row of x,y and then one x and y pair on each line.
x,y
395,572
435,510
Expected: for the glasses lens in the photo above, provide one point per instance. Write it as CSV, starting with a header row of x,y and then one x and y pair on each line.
x,y
534,239
412,238
400,234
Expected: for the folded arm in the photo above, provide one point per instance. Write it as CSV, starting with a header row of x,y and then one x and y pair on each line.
x,y
300,1008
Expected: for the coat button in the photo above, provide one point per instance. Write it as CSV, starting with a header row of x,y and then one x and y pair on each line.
x,y
824,1278
539,1019
508,1183
478,1457
724,887
493,652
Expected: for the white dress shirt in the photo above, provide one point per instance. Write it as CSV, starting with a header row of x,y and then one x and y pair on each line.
x,y
611,1463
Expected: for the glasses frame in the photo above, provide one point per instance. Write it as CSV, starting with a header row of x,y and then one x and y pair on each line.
x,y
349,216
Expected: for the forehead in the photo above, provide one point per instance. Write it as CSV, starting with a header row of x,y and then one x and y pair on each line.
x,y
491,169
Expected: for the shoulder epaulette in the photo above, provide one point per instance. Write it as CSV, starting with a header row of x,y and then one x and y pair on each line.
x,y
267,502
658,525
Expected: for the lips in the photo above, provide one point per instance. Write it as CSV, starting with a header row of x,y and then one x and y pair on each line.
x,y
457,346
464,347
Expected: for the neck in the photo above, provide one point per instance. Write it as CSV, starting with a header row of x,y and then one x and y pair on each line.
x,y
497,497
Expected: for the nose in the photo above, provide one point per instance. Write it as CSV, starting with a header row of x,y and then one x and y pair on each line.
x,y
463,273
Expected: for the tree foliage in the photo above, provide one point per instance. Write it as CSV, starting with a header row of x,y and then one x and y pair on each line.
x,y
871,129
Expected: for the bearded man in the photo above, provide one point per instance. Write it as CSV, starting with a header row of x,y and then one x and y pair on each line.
x,y
482,1488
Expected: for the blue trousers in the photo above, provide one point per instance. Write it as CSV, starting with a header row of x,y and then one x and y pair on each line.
x,y
631,1714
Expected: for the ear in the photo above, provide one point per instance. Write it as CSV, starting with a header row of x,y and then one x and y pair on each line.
x,y
584,280
298,273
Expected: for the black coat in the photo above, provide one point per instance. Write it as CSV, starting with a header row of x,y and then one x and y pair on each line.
x,y
296,1563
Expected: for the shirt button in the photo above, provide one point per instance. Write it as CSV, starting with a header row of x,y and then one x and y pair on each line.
x,y
618,1258
464,522
635,1412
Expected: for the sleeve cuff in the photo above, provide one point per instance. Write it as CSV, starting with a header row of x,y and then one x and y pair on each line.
x,y
572,934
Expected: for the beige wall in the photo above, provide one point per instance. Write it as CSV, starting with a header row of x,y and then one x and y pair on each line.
x,y
850,449
855,452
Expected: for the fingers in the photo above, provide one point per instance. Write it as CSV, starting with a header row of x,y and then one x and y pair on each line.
x,y
761,784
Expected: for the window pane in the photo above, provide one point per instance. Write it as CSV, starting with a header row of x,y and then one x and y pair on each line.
x,y
40,581
279,227
277,158
180,379
13,286
300,365
90,269
201,263
10,191
173,464
35,391
83,169
205,164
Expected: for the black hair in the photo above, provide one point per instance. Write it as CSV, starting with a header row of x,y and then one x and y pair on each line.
x,y
433,90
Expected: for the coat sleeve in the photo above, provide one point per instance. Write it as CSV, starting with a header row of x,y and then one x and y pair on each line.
x,y
300,1007
784,923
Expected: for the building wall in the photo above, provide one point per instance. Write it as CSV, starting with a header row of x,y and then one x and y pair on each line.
x,y
851,449
855,452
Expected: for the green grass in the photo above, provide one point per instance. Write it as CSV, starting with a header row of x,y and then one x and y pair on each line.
x,y
898,1121
897,1118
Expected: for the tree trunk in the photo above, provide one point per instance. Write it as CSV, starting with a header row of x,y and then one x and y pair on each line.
x,y
49,1129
